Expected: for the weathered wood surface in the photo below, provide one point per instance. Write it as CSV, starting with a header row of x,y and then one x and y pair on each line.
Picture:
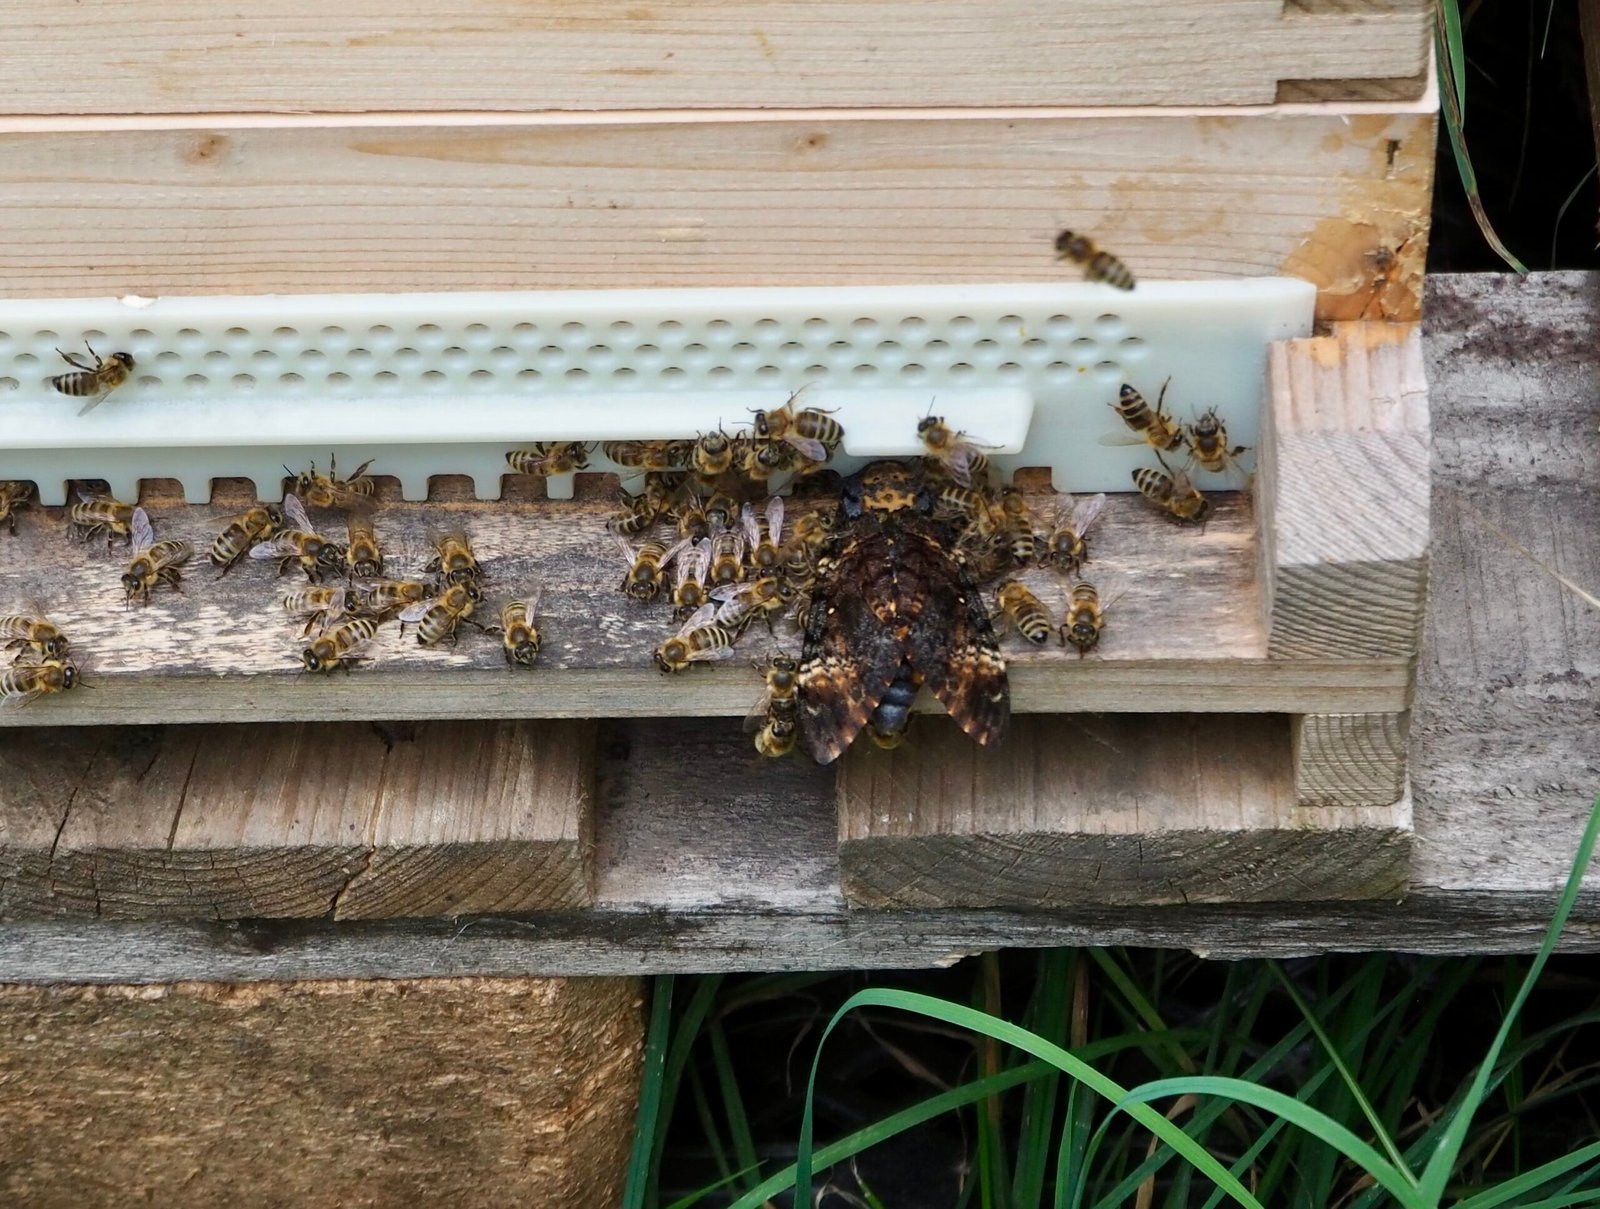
x,y
1109,809
1186,633
187,56
305,206
706,860
1343,492
1349,759
467,1092
345,821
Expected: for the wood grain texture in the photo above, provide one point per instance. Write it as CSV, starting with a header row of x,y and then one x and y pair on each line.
x,y
343,821
1349,759
1124,809
187,56
804,199
469,1092
1344,493
224,651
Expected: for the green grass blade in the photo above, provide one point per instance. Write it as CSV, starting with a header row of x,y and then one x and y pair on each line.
x,y
1011,1034
1048,1012
1565,1200
640,1165
1448,27
708,1124
1137,1000
684,1036
1443,1162
1501,1193
700,1194
744,1147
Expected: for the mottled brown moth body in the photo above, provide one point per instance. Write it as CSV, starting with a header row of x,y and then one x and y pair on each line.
x,y
892,606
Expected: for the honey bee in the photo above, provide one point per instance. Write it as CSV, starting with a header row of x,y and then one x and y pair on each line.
x,y
1097,265
519,637
765,596
763,534
713,455
362,557
689,571
1085,618
439,618
640,511
721,511
763,459
689,514
30,681
153,562
1067,545
702,638
13,497
386,596
1208,443
97,380
94,514
1151,425
299,542
983,552
775,720
244,532
808,536
727,557
966,504
809,431
549,458
1025,611
1173,493
1018,521
318,604
961,459
330,491
336,648
27,634
648,455
647,567
454,559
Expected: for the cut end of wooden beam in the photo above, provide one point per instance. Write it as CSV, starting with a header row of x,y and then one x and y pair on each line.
x,y
1349,759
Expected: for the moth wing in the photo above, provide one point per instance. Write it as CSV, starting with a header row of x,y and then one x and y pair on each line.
x,y
953,644
849,660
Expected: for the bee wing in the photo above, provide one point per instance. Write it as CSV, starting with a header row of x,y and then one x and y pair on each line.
x,y
757,717
144,534
748,522
729,591
295,512
17,698
530,604
1085,512
677,548
1123,438
775,519
85,496
702,616
417,611
625,548
812,448
720,652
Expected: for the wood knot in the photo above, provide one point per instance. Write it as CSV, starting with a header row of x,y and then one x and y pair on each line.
x,y
209,147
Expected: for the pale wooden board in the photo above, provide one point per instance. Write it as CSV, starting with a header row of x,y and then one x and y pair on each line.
x,y
1349,759
700,872
467,1092
347,820
631,201
1343,483
187,56
1183,628
1121,809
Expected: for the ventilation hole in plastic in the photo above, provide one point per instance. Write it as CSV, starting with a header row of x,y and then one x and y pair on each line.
x,y
936,348
574,333
148,380
406,358
815,373
719,373
263,357
696,354
864,328
216,357
481,376
386,377
503,353
1108,372
333,332
669,331
47,337
719,329
888,348
1133,348
244,381
196,381
237,334
963,327
816,327
94,335
1009,325
767,329
168,358
433,375
986,345
1009,370
914,327
525,333
791,350
338,379
552,354
528,375
190,338
864,373
648,354
141,335
9,384
841,348
769,373
621,330
290,379
913,372
479,332
313,357
358,356
575,374
381,333
1110,327
5,342
1058,371
1035,349
744,352
624,373
962,371
1083,350
286,335
1059,327
26,359
674,374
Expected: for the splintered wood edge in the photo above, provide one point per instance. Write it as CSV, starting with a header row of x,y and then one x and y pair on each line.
x,y
1343,494
1349,759
341,821
1170,810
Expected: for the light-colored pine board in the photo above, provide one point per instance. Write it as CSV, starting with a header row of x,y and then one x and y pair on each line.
x,y
1184,629
1349,759
298,821
775,199
1344,493
187,56
467,1092
1124,809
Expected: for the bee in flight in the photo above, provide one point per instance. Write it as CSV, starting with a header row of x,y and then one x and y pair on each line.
x,y
550,458
319,605
94,514
1173,493
93,382
1097,265
519,637
701,639
329,490
454,559
243,533
153,562
808,431
1085,618
775,720
441,617
362,557
299,542
763,534
962,459
1067,544
1026,611
1153,426
1208,443
13,497
29,681
338,647
32,635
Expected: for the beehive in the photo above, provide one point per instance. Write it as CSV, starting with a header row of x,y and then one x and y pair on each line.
x,y
726,145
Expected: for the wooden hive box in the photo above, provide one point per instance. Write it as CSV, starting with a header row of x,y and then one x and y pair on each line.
x,y
703,144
